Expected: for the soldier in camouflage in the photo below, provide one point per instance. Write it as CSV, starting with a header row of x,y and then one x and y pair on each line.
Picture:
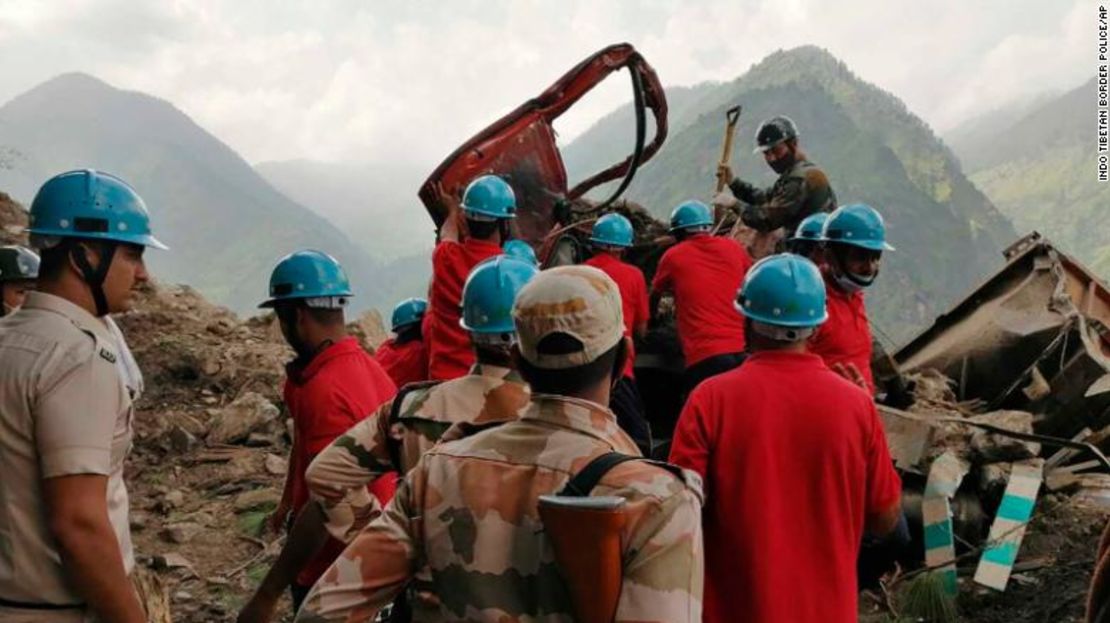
x,y
463,531
395,436
802,188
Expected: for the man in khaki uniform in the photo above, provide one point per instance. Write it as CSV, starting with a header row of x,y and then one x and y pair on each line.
x,y
463,531
66,410
403,429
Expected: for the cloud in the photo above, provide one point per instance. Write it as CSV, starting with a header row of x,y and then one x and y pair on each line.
x,y
356,80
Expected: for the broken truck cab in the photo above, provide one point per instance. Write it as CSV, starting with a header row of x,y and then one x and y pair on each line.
x,y
1034,337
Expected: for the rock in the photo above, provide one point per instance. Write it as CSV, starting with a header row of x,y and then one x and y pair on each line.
x,y
247,414
260,440
258,498
181,440
276,465
181,533
993,448
138,520
171,560
192,424
173,499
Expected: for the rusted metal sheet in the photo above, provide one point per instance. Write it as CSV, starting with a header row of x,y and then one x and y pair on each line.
x,y
1033,337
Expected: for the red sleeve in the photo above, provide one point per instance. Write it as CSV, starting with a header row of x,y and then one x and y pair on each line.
x,y
691,446
662,280
446,255
884,487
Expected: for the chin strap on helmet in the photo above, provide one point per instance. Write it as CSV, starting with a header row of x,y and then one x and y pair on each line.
x,y
94,277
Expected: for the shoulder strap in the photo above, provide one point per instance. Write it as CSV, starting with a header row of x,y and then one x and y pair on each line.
x,y
582,483
394,445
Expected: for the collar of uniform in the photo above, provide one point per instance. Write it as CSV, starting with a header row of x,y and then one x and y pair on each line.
x,y
776,357
75,313
605,257
478,243
344,346
582,416
496,372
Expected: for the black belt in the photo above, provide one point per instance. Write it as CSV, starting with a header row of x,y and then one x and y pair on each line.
x,y
9,603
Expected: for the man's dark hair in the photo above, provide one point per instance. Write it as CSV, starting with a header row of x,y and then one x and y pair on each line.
x,y
569,381
53,261
411,332
482,230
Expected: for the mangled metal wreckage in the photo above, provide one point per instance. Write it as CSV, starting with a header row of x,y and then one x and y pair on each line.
x,y
1012,394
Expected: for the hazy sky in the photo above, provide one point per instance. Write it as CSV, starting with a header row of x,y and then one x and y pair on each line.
x,y
367,80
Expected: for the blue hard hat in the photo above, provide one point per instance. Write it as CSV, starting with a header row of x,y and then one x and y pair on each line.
x,y
490,196
520,250
307,274
90,204
691,214
613,230
489,293
784,290
810,228
859,225
407,312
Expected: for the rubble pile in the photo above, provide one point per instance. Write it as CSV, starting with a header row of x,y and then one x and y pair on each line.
x,y
1006,506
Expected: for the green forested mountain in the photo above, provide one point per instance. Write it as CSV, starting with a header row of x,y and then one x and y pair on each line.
x,y
1041,171
226,226
876,151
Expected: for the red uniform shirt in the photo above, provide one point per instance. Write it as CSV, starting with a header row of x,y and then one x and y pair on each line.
x,y
634,298
704,273
449,353
341,386
794,458
407,363
846,335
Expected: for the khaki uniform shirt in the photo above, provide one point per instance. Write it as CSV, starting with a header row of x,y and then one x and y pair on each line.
x,y
339,475
464,527
64,410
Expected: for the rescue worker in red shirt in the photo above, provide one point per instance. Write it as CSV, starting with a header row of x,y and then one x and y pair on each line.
x,y
488,206
703,272
611,235
854,238
330,386
806,241
795,462
404,356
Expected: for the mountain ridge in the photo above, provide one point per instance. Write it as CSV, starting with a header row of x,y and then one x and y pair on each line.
x,y
874,149
225,224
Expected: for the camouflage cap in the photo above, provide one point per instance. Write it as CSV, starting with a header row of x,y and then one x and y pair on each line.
x,y
579,301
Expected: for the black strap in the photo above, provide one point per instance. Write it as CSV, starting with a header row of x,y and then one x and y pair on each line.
x,y
587,478
95,276
394,445
22,605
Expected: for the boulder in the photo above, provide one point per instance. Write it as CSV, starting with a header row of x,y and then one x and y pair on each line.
x,y
181,533
247,414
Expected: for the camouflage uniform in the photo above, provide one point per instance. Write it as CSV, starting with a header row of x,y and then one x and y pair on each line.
x,y
798,193
464,527
338,476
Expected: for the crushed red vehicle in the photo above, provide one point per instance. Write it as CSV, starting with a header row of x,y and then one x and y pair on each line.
x,y
521,148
